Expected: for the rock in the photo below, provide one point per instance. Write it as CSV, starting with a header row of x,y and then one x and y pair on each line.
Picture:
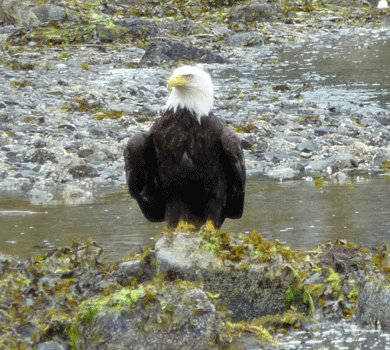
x,y
378,161
139,269
139,26
165,316
374,306
41,156
275,156
246,39
307,146
383,119
51,12
108,34
256,11
83,153
317,164
173,51
184,27
75,196
249,292
17,13
51,345
39,197
81,171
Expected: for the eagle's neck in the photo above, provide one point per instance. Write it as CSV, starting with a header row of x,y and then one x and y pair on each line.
x,y
197,101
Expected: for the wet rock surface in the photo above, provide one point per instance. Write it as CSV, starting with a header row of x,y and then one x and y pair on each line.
x,y
192,290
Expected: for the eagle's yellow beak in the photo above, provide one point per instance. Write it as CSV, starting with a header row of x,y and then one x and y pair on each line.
x,y
178,80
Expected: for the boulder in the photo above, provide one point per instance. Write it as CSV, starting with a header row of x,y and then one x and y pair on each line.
x,y
152,316
51,12
138,26
81,171
17,13
248,286
168,51
246,39
374,306
256,11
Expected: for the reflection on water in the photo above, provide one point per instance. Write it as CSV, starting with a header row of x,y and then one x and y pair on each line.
x,y
296,212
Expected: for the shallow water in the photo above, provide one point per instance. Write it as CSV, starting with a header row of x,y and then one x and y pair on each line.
x,y
331,336
296,212
357,63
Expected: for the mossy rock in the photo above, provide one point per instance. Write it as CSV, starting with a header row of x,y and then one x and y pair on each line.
x,y
151,316
253,277
68,34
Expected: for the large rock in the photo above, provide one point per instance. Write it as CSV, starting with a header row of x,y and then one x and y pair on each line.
x,y
172,51
51,12
153,316
256,11
139,26
374,306
246,39
17,13
248,284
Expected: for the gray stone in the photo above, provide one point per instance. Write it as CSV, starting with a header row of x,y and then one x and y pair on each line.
x,y
256,11
138,26
246,39
168,51
81,171
51,345
17,13
50,12
374,306
307,146
171,316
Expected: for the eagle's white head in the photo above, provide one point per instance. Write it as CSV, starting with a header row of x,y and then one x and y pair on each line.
x,y
192,88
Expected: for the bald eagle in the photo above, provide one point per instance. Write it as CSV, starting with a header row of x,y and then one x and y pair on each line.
x,y
189,166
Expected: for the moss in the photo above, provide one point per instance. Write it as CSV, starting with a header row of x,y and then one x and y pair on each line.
x,y
335,280
21,84
247,128
291,319
16,65
237,329
110,114
90,314
385,165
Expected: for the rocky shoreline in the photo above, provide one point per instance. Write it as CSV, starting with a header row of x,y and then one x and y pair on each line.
x,y
77,82
192,290
77,79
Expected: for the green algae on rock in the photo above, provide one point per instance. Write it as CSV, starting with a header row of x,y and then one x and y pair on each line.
x,y
201,290
164,315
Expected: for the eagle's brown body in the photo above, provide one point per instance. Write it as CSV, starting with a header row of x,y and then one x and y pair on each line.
x,y
187,168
